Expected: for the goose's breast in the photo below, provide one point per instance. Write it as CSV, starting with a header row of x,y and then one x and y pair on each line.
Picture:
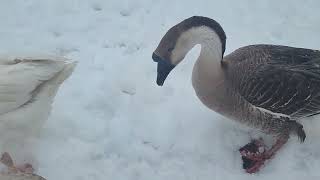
x,y
213,92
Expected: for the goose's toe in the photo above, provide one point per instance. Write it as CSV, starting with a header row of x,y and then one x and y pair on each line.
x,y
253,156
297,129
23,168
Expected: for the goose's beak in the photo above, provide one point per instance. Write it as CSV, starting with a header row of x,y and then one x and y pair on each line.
x,y
163,69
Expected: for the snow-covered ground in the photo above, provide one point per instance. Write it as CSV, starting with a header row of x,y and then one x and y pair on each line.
x,y
110,120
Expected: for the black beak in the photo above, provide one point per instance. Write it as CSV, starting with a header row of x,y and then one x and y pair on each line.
x,y
163,69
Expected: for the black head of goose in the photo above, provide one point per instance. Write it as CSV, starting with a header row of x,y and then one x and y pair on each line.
x,y
267,87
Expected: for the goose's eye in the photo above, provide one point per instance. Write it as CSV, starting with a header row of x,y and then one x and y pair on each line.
x,y
170,49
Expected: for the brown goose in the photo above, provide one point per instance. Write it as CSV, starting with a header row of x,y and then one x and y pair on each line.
x,y
268,87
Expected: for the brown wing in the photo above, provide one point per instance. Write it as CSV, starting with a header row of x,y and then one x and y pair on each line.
x,y
280,79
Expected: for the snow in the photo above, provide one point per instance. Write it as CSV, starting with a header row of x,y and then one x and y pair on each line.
x,y
111,121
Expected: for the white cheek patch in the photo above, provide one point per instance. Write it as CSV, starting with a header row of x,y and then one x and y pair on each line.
x,y
179,51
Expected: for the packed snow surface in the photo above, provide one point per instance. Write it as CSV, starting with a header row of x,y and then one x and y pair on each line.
x,y
110,121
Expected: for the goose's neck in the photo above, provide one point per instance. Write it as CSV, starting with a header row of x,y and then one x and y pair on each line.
x,y
207,71
211,52
211,45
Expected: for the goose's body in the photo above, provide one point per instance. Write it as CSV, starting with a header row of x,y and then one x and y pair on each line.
x,y
27,88
267,87
264,84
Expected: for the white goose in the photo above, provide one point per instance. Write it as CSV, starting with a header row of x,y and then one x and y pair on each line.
x,y
27,88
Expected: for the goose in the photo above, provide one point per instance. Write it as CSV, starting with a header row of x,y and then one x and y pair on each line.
x,y
28,85
266,87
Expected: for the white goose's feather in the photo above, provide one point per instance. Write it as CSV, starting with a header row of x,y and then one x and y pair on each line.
x,y
19,82
27,88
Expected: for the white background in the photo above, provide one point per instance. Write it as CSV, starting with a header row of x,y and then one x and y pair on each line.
x,y
111,122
